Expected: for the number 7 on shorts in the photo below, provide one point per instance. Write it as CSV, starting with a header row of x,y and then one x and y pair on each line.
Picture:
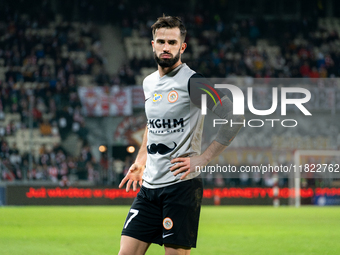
x,y
134,214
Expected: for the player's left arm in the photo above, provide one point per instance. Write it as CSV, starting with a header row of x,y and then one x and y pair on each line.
x,y
224,109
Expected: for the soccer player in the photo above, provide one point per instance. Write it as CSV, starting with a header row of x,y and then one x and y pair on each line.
x,y
167,208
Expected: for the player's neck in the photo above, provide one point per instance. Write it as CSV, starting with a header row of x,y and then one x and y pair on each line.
x,y
164,70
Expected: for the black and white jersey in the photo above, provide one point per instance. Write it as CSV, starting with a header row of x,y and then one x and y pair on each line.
x,y
174,124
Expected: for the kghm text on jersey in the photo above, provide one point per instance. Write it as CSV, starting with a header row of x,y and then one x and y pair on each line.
x,y
166,123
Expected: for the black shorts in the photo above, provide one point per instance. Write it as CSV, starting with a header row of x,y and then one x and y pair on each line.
x,y
166,215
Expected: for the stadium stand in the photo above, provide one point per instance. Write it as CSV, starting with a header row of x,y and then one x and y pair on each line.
x,y
48,57
44,60
242,47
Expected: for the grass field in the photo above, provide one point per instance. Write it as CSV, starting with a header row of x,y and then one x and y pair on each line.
x,y
223,230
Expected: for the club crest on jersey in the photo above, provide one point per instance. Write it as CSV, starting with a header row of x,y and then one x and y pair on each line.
x,y
157,97
173,96
167,223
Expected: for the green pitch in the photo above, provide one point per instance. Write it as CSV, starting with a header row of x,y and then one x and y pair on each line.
x,y
223,230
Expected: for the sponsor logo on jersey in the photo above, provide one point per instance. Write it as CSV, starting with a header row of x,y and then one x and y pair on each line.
x,y
167,223
173,96
165,123
157,97
160,148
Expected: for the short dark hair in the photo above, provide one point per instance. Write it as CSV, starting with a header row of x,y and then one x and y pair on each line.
x,y
169,22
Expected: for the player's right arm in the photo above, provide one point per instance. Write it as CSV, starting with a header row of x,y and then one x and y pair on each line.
x,y
135,173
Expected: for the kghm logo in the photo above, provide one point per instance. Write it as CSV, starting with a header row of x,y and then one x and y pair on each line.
x,y
204,97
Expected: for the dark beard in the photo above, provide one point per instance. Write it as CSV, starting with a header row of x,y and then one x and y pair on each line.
x,y
167,62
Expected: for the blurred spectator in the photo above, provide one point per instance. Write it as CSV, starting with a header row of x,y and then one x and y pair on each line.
x,y
64,182
53,173
86,154
118,167
45,128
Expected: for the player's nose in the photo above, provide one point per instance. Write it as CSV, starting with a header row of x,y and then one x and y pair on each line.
x,y
166,47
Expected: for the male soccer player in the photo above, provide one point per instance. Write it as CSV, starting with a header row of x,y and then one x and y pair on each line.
x,y
166,210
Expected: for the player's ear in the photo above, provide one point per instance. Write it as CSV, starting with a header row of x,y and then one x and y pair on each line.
x,y
153,45
183,47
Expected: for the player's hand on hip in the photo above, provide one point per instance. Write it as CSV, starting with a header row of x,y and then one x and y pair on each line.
x,y
134,177
186,165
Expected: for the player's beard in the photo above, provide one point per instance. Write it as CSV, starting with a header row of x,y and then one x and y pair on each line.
x,y
167,62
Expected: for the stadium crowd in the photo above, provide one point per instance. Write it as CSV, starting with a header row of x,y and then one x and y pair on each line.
x,y
301,48
40,59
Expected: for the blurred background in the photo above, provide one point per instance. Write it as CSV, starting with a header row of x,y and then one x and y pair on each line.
x,y
72,104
